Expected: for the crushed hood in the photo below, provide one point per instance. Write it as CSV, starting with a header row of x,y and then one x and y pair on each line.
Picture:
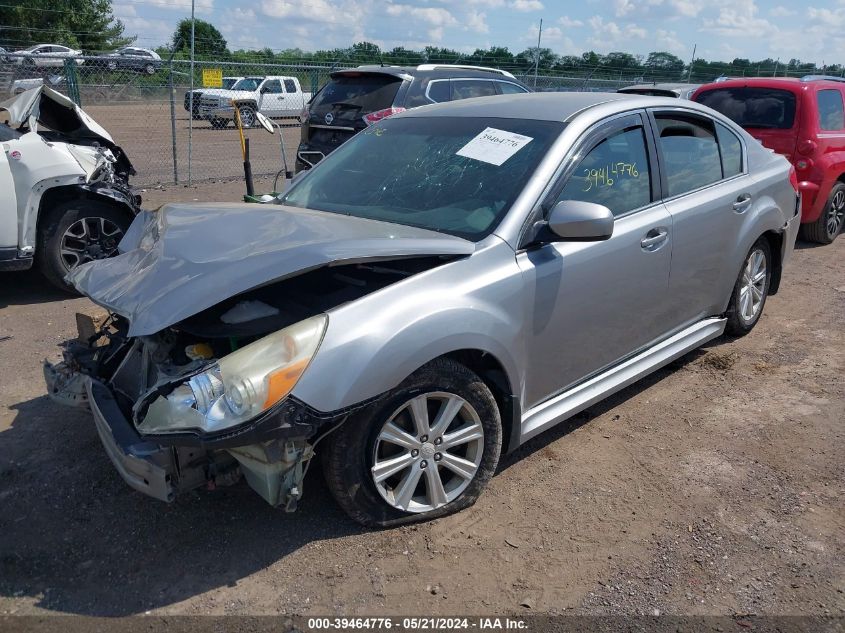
x,y
55,111
185,258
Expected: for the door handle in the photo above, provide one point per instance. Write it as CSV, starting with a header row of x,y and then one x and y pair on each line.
x,y
742,203
654,239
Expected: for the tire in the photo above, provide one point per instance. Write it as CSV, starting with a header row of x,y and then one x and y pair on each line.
x,y
743,313
71,217
830,222
247,116
219,124
111,66
150,69
353,450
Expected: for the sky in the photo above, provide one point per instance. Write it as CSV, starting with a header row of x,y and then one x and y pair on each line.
x,y
722,29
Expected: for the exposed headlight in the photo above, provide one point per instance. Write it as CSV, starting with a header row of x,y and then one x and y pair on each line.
x,y
239,386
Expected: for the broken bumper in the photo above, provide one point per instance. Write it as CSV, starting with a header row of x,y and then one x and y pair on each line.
x,y
145,466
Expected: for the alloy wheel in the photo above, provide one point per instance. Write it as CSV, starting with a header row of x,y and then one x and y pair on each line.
x,y
835,214
427,452
752,290
88,239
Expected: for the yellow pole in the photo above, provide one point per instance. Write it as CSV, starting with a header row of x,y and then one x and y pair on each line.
x,y
240,129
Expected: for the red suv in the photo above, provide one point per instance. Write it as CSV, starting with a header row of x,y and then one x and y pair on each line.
x,y
803,119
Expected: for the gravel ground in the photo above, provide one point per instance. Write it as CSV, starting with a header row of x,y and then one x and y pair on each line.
x,y
715,486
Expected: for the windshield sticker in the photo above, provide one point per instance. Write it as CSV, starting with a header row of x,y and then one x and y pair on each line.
x,y
494,146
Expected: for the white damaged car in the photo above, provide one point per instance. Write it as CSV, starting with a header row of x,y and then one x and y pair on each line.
x,y
65,189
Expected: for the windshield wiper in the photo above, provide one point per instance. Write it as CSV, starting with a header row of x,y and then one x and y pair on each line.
x,y
346,105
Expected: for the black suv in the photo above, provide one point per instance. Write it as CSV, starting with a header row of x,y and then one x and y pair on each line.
x,y
357,97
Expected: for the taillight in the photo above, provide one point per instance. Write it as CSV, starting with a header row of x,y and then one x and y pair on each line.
x,y
793,178
378,115
807,147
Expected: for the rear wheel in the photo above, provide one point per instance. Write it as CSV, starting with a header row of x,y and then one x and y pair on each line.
x,y
751,289
830,222
76,232
425,451
112,65
218,124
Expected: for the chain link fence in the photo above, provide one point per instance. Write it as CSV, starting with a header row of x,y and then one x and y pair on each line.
x,y
146,105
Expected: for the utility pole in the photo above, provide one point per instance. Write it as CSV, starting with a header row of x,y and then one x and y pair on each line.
x,y
191,100
537,59
691,62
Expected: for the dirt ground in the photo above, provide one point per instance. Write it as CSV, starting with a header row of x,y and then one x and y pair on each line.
x,y
716,486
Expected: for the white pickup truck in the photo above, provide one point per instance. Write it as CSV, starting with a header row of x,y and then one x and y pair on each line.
x,y
272,96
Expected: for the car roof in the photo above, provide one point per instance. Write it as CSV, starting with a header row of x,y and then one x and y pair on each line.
x,y
428,70
788,83
660,86
542,106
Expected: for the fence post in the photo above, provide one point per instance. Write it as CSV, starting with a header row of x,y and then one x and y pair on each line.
x,y
173,121
72,78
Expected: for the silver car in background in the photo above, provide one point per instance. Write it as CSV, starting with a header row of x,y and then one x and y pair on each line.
x,y
447,285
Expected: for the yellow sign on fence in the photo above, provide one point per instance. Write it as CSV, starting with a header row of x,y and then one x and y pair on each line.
x,y
212,77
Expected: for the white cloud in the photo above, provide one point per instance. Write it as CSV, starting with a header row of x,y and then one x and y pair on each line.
x,y
432,15
200,6
313,9
123,11
781,12
835,17
526,5
436,34
611,35
568,23
623,7
476,21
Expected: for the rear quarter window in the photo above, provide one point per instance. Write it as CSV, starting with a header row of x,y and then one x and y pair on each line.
x,y
831,111
763,108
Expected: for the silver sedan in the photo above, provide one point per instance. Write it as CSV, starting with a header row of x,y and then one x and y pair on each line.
x,y
450,283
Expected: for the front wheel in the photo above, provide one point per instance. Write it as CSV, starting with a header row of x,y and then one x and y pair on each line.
x,y
247,114
751,289
426,450
77,232
150,69
830,222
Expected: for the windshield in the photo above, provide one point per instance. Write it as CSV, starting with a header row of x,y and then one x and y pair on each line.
x,y
438,173
229,82
248,83
762,108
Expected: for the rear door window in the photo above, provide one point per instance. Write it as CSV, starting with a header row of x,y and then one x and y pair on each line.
x,y
831,111
438,90
469,88
690,153
731,149
274,86
507,88
349,98
290,85
762,108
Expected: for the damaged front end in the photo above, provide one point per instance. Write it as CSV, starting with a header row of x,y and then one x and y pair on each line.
x,y
176,412
215,313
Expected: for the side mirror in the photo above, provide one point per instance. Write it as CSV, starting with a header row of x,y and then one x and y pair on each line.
x,y
266,123
580,221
